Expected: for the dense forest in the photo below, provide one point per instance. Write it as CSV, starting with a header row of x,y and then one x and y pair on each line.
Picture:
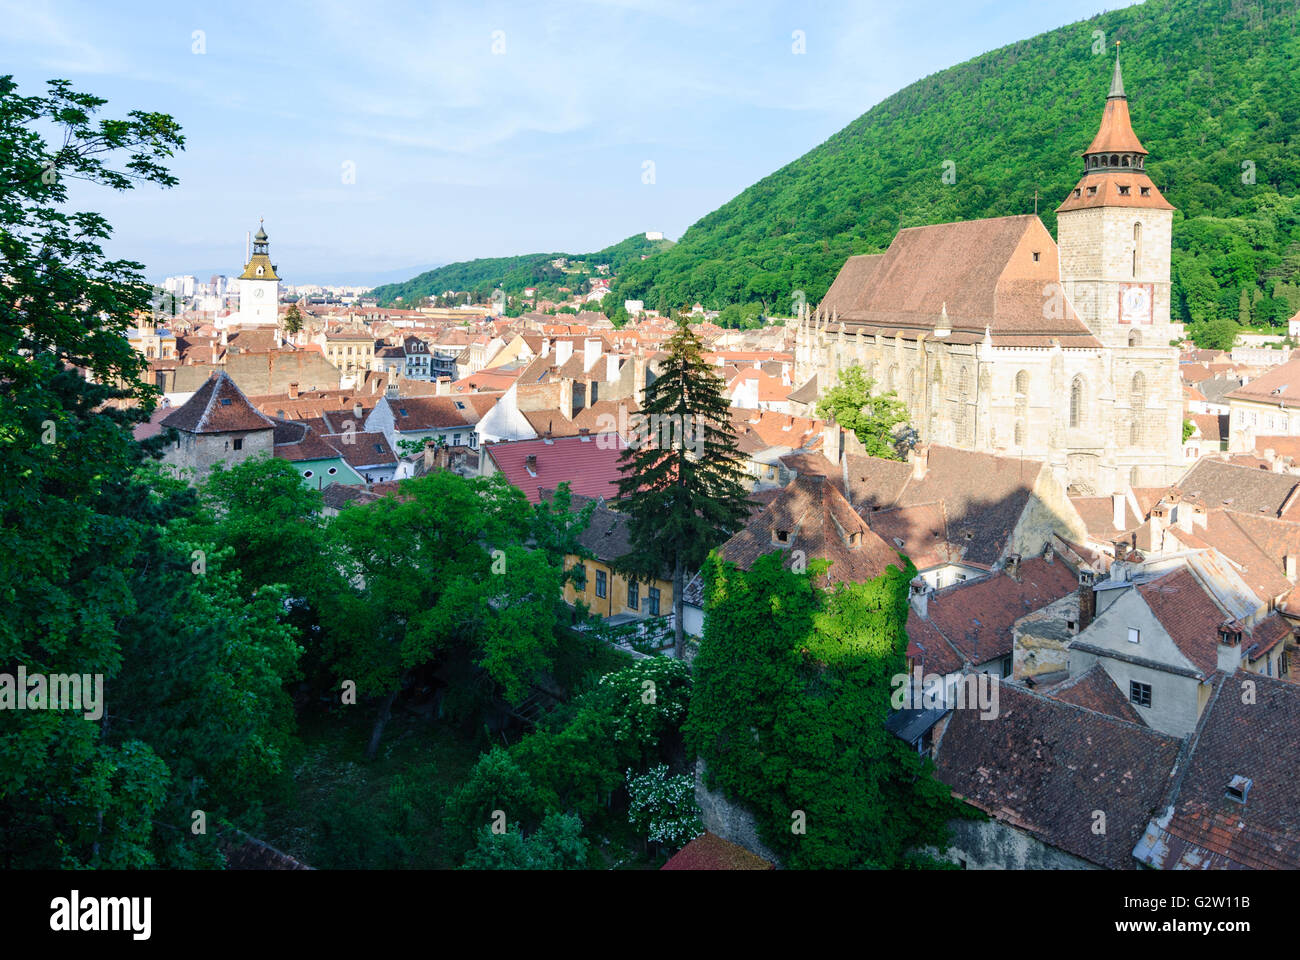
x,y
512,274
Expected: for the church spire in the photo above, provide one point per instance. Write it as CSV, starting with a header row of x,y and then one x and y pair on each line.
x,y
1117,79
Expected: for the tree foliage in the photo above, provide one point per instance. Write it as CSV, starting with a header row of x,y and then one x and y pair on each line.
x,y
878,420
681,485
792,691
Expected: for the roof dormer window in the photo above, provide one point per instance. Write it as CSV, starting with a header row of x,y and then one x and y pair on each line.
x,y
1146,191
1092,191
781,536
1123,191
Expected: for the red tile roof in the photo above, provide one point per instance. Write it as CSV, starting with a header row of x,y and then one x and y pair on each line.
x,y
589,465
1188,615
709,852
218,406
977,617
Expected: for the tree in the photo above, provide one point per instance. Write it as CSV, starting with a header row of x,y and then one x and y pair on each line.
x,y
681,485
1218,334
1189,428
788,713
557,844
662,806
875,420
440,570
293,320
70,797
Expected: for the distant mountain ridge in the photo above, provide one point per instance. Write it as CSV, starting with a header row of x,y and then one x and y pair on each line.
x,y
514,274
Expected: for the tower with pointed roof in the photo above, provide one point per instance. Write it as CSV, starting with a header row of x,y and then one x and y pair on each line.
x,y
1114,235
259,286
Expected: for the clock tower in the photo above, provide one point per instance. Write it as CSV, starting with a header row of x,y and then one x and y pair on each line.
x,y
259,286
1114,233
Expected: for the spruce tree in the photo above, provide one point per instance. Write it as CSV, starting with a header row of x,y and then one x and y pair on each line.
x,y
682,486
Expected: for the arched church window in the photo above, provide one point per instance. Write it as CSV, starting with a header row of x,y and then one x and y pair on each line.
x,y
1135,339
1020,433
1125,162
1022,383
1078,399
1114,160
891,378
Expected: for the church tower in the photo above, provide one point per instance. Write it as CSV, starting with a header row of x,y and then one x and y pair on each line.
x,y
1114,236
259,286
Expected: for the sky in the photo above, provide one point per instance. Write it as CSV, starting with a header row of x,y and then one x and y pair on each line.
x,y
377,139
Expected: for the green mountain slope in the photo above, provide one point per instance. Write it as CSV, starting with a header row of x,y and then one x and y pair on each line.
x,y
513,274
1214,91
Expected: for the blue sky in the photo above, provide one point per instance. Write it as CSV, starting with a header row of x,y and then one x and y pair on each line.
x,y
458,151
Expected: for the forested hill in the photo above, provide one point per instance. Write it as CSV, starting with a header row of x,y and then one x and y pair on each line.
x,y
1214,91
513,274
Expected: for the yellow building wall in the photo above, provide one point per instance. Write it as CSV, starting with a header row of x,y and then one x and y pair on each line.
x,y
615,600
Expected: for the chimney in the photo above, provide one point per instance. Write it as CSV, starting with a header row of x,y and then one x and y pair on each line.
x,y
566,398
1288,566
443,388
920,457
590,352
1087,599
563,351
293,391
1117,510
832,442
1012,566
1158,529
921,597
358,412
1230,646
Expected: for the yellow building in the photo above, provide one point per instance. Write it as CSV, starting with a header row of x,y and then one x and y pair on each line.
x,y
603,591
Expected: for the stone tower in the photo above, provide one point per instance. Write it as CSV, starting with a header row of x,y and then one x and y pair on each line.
x,y
1114,234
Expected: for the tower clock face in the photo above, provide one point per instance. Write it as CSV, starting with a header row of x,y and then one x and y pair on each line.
x,y
258,293
1135,303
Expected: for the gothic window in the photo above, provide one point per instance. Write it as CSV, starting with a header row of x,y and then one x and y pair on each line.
x,y
1022,383
1078,398
1134,339
891,378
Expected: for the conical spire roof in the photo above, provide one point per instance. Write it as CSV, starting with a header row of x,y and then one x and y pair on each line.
x,y
1116,132
1116,81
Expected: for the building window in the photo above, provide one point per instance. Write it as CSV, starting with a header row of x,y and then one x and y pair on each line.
x,y
600,583
307,474
332,471
1077,401
1036,256
1134,635
1006,665
1146,191
633,595
1022,383
1123,191
238,443
652,601
1139,693
455,439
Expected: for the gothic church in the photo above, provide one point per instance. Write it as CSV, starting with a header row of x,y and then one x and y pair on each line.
x,y
1000,340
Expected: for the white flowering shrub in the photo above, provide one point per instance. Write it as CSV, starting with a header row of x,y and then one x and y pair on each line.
x,y
662,807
